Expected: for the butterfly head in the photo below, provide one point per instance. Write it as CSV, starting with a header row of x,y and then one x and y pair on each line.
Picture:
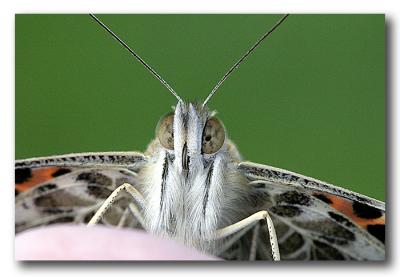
x,y
185,178
190,132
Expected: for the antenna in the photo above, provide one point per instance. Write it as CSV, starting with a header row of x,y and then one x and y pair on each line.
x,y
243,58
152,71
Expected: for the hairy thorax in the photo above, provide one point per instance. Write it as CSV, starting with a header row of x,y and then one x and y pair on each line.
x,y
190,205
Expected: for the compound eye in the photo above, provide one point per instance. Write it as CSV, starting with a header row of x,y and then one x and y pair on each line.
x,y
213,136
165,131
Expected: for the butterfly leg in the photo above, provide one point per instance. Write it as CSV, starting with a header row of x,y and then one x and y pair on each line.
x,y
122,220
136,195
136,214
254,241
227,244
254,218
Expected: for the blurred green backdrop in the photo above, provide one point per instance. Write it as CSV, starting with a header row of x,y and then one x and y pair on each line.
x,y
311,99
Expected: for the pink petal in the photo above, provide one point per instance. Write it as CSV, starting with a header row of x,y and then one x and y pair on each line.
x,y
69,242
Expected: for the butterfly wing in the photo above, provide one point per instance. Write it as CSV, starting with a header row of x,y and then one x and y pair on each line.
x,y
315,220
255,171
367,212
130,160
70,188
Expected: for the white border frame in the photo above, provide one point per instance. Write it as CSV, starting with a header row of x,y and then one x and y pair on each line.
x,y
7,25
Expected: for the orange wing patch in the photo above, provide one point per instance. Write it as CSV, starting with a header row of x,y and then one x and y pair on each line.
x,y
367,217
26,178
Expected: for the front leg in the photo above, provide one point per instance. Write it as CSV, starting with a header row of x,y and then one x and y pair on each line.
x,y
134,193
252,220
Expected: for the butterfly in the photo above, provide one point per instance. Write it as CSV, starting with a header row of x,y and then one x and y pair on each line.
x,y
192,185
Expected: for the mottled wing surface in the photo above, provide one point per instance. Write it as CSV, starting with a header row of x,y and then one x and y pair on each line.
x,y
70,188
314,220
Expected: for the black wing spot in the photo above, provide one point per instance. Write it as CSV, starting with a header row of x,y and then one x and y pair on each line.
x,y
64,219
22,175
111,158
56,211
378,231
98,191
294,197
60,172
94,178
323,198
365,211
341,219
46,187
45,201
286,211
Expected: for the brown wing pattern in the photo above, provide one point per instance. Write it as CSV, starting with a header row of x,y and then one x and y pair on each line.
x,y
366,212
69,189
72,198
314,220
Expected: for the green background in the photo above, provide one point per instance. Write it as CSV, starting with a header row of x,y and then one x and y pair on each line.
x,y
311,99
